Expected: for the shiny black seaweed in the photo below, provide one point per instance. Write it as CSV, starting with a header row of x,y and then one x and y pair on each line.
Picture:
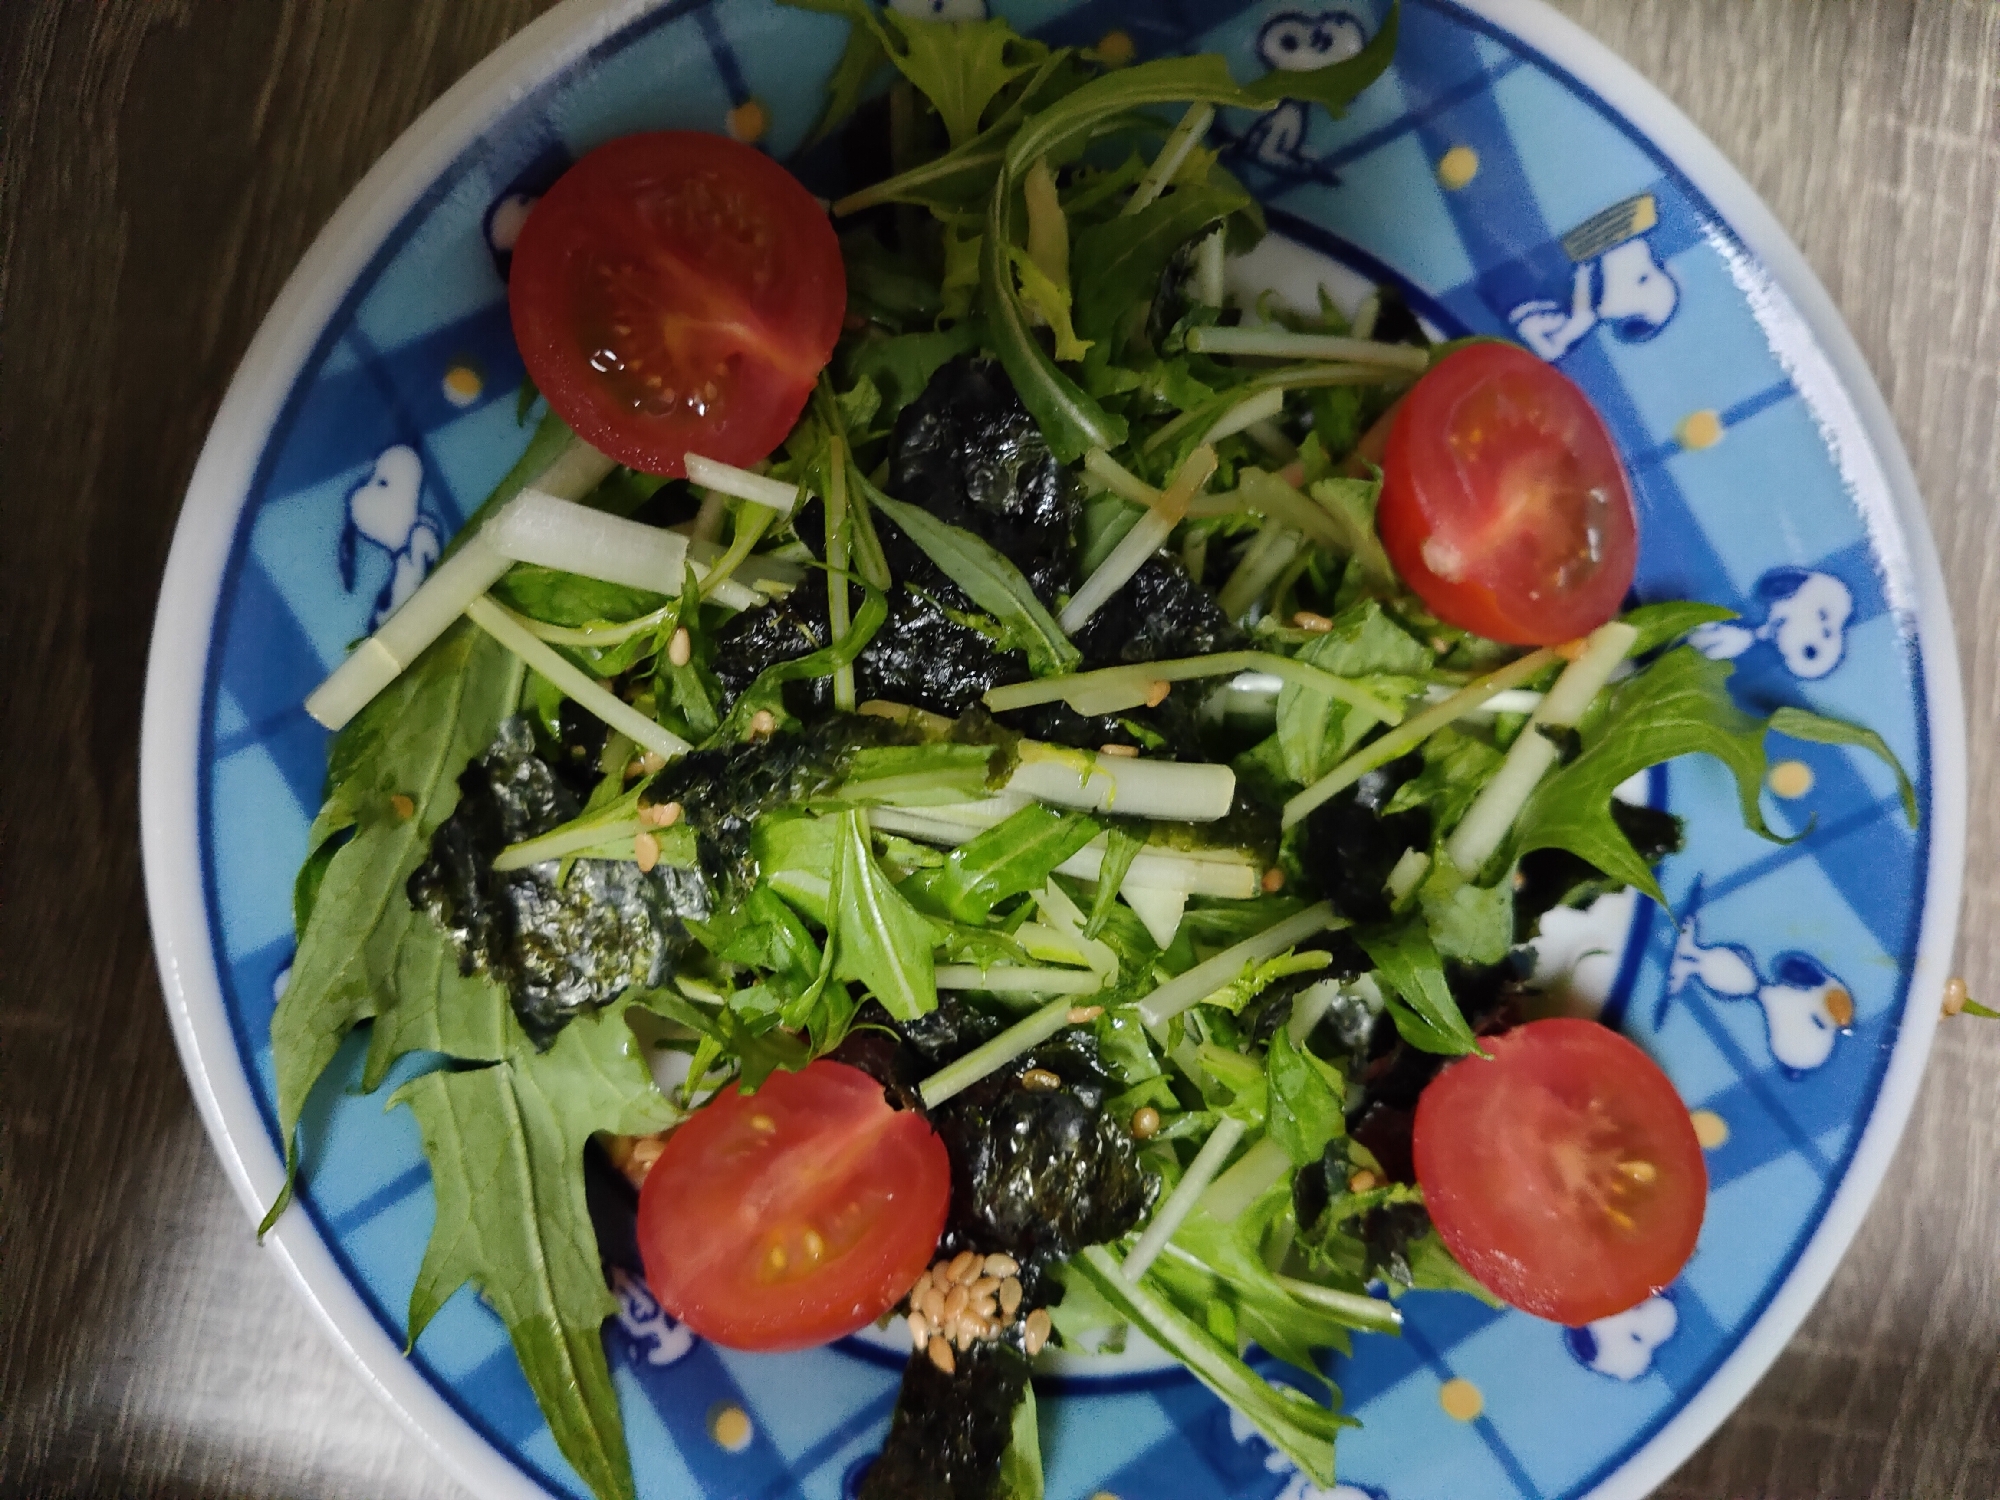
x,y
950,1431
558,949
1350,845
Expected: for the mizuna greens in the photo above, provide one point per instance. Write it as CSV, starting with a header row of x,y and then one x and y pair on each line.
x,y
1042,729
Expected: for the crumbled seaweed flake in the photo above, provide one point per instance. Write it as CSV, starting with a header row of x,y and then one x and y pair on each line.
x,y
968,451
1350,846
1160,614
557,949
1037,1173
950,1431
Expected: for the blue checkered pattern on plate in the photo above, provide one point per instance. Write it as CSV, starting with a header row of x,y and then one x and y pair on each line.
x,y
1504,197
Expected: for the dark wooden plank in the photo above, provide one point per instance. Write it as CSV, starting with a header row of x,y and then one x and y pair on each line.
x,y
163,163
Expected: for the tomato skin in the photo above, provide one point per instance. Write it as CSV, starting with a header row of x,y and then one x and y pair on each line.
x,y
1503,502
795,1215
1564,1173
677,292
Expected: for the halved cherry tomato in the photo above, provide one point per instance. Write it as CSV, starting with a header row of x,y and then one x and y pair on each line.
x,y
674,293
788,1217
1503,503
1564,1173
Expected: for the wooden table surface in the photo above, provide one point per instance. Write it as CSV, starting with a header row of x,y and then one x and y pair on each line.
x,y
164,163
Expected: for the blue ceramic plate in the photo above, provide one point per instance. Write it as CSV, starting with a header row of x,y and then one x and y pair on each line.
x,y
1512,178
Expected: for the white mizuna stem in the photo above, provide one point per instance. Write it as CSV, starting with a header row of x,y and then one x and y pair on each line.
x,y
1204,979
1513,701
1141,542
1111,690
1282,343
378,661
1267,556
1182,1200
1177,791
1224,873
1533,754
727,479
1193,126
1005,979
566,841
1159,911
473,567
1271,438
1247,413
991,1057
1208,271
1309,1008
538,528
506,628
1409,871
1256,1172
1067,921
1413,731
1118,479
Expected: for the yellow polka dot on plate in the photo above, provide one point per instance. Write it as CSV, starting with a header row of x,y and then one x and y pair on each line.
x,y
748,121
1103,1495
1457,167
730,1426
1115,49
1461,1399
1701,429
1709,1128
1791,778
462,385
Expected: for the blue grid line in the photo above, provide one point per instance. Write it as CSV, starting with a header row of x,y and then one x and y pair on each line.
x,y
722,55
827,1447
1482,1424
1733,417
388,1195
1820,842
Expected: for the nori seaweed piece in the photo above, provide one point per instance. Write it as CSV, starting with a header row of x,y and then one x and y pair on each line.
x,y
557,949
950,1432
1350,846
970,453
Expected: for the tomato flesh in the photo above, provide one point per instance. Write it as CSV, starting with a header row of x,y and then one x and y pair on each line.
x,y
1503,502
677,292
795,1215
1564,1173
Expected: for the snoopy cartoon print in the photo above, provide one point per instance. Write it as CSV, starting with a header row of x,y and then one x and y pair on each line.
x,y
1298,1486
1806,1007
385,509
1805,620
1615,282
662,1340
1298,42
1622,1345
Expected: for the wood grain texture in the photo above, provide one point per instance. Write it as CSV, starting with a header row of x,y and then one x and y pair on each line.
x,y
164,163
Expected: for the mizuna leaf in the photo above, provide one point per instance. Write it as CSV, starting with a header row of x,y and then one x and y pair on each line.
x,y
877,937
364,940
1119,262
1680,705
961,66
992,582
505,1145
1422,1005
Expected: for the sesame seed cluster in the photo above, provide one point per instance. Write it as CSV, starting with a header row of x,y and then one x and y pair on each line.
x,y
971,1299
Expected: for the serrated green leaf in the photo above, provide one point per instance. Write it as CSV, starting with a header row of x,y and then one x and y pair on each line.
x,y
1315,729
1118,263
1472,923
877,937
961,66
1013,857
1421,1005
363,937
1818,729
505,1145
1680,705
1307,1100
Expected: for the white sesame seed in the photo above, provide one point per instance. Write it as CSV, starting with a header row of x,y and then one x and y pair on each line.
x,y
964,1267
1010,1296
954,1303
661,814
1305,619
1156,692
986,1304
652,761
1080,1014
1040,1081
920,1331
1035,1332
1002,1265
933,1304
940,1354
1120,752
763,723
982,1285
646,849
680,650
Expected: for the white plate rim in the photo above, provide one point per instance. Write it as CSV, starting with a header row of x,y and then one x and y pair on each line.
x,y
170,739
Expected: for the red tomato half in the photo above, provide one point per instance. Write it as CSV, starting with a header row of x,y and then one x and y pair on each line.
x,y
1503,502
788,1217
675,293
1564,1174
